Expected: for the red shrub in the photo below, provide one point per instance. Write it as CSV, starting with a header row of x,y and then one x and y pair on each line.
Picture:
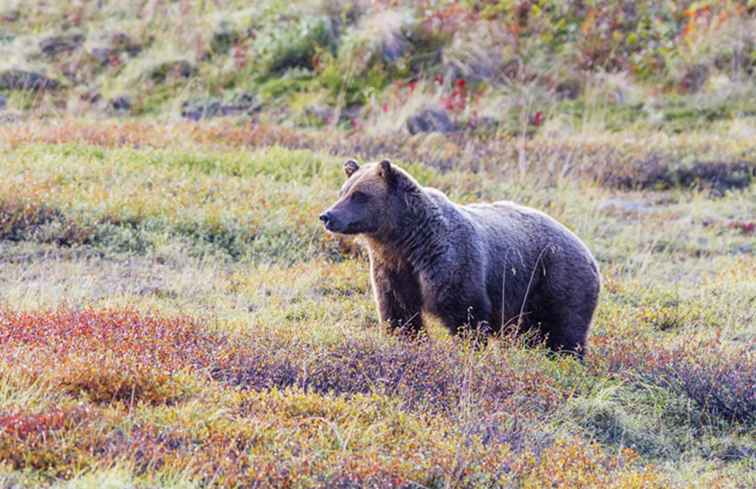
x,y
110,354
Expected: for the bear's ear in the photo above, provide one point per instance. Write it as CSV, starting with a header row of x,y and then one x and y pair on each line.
x,y
386,171
350,166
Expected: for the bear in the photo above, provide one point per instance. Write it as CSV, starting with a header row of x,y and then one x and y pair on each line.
x,y
485,266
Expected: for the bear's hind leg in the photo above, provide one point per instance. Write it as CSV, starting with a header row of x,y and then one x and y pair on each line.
x,y
565,331
561,342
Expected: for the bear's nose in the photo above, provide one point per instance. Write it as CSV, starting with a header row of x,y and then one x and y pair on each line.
x,y
325,217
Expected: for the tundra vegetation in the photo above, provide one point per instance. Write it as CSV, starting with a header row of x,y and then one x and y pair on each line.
x,y
173,315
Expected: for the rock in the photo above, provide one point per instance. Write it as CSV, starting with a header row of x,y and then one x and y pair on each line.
x,y
64,43
3,102
350,114
120,104
103,55
718,176
394,47
242,103
430,120
110,45
26,80
121,41
91,96
569,89
484,124
10,117
196,110
743,249
625,206
171,70
694,78
245,103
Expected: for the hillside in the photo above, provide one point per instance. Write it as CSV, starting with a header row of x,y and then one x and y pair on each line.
x,y
172,313
513,67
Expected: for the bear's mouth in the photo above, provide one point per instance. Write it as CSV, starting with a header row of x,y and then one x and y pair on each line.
x,y
346,228
342,229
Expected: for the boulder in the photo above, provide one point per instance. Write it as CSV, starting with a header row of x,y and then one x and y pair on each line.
x,y
484,123
26,80
64,43
113,44
430,120
171,70
569,89
120,104
9,117
694,78
205,108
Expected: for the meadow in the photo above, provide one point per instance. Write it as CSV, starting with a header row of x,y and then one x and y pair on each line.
x,y
172,313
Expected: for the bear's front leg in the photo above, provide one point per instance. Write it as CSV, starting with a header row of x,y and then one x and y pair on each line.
x,y
397,294
465,313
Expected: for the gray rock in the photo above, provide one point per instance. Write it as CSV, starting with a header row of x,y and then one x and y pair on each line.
x,y
205,108
430,120
695,78
743,249
569,89
351,112
114,44
394,48
171,69
196,110
120,104
91,96
64,43
9,117
121,41
242,103
103,55
485,124
26,80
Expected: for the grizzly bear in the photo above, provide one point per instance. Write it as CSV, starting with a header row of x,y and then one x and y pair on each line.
x,y
484,266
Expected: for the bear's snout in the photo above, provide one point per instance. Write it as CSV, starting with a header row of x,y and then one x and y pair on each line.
x,y
326,218
330,222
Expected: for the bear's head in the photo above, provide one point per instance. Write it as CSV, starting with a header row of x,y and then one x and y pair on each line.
x,y
370,201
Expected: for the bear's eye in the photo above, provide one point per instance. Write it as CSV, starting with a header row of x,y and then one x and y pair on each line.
x,y
360,197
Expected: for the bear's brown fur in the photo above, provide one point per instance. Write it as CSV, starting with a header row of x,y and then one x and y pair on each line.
x,y
481,265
